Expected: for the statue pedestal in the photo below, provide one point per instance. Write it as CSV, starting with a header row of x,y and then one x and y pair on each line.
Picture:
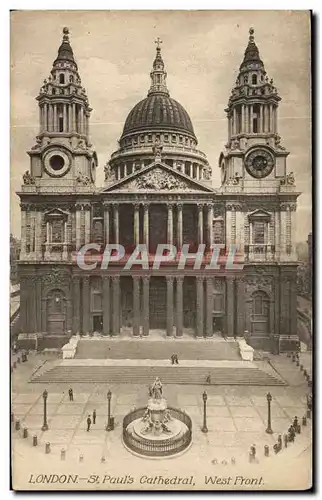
x,y
157,408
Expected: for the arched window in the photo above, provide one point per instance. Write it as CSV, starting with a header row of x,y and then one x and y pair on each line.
x,y
71,79
254,79
53,91
61,78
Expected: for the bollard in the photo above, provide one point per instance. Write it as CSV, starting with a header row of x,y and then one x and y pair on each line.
x,y
17,425
81,458
304,423
308,413
276,448
47,448
62,454
299,429
25,433
266,450
285,440
34,441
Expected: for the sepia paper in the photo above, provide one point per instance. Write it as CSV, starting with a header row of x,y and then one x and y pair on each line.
x,y
161,250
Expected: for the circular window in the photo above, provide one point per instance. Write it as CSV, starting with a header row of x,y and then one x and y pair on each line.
x,y
57,162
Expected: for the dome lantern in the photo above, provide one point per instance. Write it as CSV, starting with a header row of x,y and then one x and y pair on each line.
x,y
158,74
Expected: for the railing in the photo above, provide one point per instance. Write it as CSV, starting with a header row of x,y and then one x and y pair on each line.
x,y
166,447
166,148
260,252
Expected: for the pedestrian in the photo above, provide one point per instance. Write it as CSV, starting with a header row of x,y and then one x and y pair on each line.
x,y
89,422
71,394
176,359
94,416
208,379
172,359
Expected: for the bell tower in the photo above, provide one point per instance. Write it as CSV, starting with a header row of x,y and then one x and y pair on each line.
x,y
63,155
254,157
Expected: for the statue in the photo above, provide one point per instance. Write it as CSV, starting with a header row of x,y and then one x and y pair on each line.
x,y
288,180
157,149
28,179
207,172
109,174
156,389
83,179
38,143
278,142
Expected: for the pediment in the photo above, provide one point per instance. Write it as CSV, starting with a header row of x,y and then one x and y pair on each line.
x,y
259,214
56,213
157,177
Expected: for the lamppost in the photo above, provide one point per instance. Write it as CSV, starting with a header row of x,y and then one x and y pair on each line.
x,y
204,397
45,425
269,425
109,396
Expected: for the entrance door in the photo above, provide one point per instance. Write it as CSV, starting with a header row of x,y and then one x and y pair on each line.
x,y
56,313
98,323
260,313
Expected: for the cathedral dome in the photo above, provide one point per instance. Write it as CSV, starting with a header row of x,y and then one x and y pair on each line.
x,y
158,111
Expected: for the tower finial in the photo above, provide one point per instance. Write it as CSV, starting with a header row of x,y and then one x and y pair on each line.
x,y
65,34
251,34
158,41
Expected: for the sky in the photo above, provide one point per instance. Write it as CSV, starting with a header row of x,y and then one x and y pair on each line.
x,y
202,52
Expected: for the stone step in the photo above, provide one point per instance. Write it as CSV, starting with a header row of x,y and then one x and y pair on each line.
x,y
157,349
137,374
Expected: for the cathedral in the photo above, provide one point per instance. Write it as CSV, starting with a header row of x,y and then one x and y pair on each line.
x,y
158,190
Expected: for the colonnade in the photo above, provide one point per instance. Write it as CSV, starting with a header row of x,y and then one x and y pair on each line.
x,y
111,289
192,169
174,216
63,117
241,120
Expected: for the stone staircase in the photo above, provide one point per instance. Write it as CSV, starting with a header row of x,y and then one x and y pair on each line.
x,y
143,348
131,371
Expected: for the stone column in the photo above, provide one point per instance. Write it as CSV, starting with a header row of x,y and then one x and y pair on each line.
x,y
116,222
234,122
116,305
170,224
107,223
70,118
106,305
74,129
38,304
81,121
136,305
191,170
78,226
200,307
86,305
87,224
50,124
271,119
210,306
145,305
243,119
65,128
146,225
200,223
179,226
261,127
45,120
179,308
230,306
23,232
210,216
76,305
266,121
55,118
251,119
136,223
240,306
169,306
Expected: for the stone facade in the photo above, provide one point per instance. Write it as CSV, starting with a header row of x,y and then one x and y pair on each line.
x,y
158,190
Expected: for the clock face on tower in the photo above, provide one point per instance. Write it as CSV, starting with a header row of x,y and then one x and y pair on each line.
x,y
259,163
